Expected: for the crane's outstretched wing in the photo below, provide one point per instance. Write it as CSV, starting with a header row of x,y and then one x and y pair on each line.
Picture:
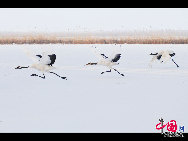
x,y
47,59
98,53
116,58
31,55
116,54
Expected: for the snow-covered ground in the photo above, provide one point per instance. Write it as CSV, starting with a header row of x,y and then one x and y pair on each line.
x,y
89,101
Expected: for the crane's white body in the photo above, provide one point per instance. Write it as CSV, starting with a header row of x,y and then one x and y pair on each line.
x,y
107,62
42,67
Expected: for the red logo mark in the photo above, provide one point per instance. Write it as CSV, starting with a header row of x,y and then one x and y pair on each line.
x,y
171,126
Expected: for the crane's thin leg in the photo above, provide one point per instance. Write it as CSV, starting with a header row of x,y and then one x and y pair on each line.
x,y
175,63
18,67
106,71
119,72
59,75
39,75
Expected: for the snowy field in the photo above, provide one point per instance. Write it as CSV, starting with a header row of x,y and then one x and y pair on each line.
x,y
89,101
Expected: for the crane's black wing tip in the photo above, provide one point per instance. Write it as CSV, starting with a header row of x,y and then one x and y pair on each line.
x,y
116,58
52,58
104,56
173,54
40,56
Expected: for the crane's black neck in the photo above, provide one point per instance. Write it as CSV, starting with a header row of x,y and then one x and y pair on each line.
x,y
18,67
91,64
153,53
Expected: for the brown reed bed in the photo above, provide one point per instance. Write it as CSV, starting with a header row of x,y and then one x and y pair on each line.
x,y
135,38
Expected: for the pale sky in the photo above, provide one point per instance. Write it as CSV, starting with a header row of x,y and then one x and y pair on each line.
x,y
91,19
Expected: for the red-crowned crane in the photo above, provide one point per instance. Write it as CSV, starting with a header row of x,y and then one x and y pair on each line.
x,y
163,56
108,62
44,64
